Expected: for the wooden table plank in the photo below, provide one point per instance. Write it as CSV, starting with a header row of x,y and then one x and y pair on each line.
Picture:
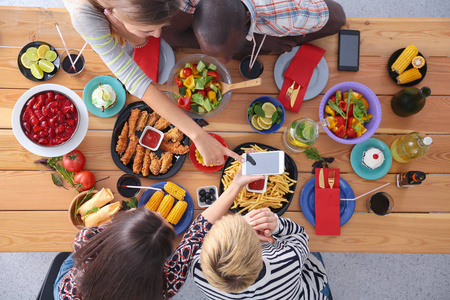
x,y
50,197
51,231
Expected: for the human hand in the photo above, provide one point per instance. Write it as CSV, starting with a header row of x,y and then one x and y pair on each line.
x,y
118,27
243,180
278,44
264,222
213,151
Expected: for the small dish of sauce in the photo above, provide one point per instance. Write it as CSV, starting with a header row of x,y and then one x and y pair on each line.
x,y
258,186
151,138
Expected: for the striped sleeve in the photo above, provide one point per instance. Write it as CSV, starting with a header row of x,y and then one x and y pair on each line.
x,y
188,6
94,28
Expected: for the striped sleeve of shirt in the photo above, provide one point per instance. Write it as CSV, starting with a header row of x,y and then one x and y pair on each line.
x,y
93,26
188,6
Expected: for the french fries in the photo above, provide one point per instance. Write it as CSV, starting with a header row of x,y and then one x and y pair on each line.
x,y
277,187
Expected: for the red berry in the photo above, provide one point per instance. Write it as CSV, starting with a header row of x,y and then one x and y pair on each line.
x,y
375,156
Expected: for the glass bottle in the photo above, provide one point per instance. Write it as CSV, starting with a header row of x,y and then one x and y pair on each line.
x,y
409,101
410,178
301,134
411,146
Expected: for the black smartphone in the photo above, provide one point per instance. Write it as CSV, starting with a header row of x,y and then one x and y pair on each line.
x,y
348,50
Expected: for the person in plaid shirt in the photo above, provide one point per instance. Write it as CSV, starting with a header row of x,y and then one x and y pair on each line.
x,y
224,29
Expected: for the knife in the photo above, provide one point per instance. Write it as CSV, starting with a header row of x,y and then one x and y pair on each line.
x,y
321,179
294,95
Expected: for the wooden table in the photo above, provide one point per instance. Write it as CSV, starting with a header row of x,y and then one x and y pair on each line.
x,y
33,212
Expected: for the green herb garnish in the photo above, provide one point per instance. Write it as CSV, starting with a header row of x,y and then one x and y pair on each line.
x,y
57,181
77,205
133,203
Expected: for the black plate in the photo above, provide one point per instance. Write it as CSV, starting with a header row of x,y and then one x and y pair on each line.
x,y
289,163
123,116
27,72
394,75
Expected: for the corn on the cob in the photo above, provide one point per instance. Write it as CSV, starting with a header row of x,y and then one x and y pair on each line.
x,y
418,62
177,212
165,206
402,62
409,76
175,190
155,200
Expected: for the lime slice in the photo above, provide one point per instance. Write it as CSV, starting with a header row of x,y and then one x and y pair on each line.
x,y
262,125
46,66
266,121
42,50
254,122
32,54
25,61
50,55
269,109
308,132
36,71
106,96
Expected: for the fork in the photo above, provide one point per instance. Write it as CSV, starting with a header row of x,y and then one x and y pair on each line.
x,y
331,176
289,91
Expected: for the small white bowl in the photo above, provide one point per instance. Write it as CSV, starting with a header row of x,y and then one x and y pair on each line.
x,y
259,191
216,194
147,128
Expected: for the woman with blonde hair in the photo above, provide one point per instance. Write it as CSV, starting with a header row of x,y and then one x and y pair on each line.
x,y
234,264
104,23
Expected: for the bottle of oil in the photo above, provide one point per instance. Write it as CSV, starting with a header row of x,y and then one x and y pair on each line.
x,y
410,178
409,101
411,146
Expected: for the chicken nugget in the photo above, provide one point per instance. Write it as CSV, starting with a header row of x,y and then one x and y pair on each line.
x,y
142,121
131,149
166,162
161,124
152,118
175,148
174,135
132,120
138,159
146,164
122,140
155,165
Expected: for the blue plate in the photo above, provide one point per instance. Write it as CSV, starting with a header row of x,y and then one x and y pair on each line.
x,y
307,201
118,88
365,172
188,215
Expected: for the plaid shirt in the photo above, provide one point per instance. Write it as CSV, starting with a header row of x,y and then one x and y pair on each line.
x,y
279,17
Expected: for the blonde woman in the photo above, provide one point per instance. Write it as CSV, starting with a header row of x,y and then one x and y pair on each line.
x,y
102,23
259,256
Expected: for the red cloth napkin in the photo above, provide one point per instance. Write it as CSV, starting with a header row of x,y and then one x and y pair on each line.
x,y
300,70
327,205
147,57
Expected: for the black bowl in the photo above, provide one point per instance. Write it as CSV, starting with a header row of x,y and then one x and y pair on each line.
x,y
289,164
177,161
27,72
393,75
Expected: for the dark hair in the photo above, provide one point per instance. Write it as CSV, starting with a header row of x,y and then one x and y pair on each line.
x,y
147,12
126,260
215,19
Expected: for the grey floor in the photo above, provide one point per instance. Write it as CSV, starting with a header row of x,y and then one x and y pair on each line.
x,y
352,275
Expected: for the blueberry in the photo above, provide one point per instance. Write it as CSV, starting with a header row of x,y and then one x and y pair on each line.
x,y
208,201
202,199
212,191
202,192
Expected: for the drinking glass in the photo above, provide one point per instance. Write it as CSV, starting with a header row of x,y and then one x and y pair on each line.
x,y
301,134
128,179
66,65
254,72
380,203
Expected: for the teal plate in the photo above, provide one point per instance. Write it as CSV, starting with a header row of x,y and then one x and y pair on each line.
x,y
363,171
118,88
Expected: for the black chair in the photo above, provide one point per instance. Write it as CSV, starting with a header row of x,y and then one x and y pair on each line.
x,y
46,292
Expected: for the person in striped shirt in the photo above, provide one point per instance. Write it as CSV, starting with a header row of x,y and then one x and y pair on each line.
x,y
221,28
259,256
104,24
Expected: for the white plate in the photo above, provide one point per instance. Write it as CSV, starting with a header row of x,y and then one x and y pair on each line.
x,y
53,151
166,61
318,80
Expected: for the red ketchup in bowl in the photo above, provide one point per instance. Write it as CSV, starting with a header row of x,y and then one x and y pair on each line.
x,y
49,118
151,138
257,185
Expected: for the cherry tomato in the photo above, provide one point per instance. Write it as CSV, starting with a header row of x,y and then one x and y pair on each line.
x,y
333,99
350,110
185,102
340,132
351,132
74,161
343,105
201,92
214,74
178,81
187,72
340,121
83,180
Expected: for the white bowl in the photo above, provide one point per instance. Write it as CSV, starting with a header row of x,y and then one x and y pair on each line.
x,y
216,194
147,128
259,191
